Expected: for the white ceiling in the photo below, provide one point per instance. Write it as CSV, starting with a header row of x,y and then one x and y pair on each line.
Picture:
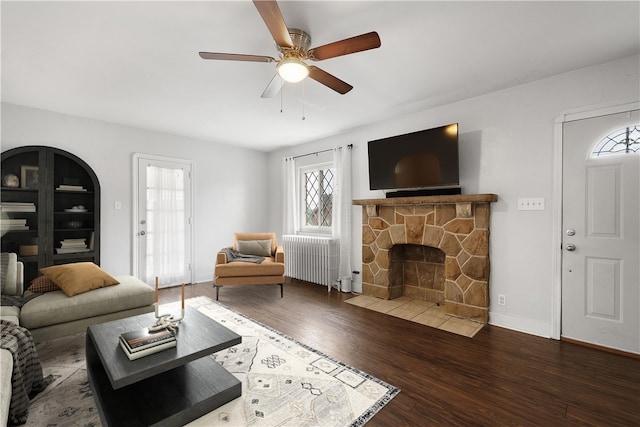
x,y
137,63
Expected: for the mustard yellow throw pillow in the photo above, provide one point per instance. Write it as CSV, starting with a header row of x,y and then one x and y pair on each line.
x,y
79,277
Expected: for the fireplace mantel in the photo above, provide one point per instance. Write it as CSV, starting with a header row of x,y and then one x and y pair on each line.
x,y
457,225
428,200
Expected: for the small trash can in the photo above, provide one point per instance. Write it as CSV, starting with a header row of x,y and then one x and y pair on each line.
x,y
345,284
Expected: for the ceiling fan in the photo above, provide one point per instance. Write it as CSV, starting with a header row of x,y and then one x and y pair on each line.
x,y
293,45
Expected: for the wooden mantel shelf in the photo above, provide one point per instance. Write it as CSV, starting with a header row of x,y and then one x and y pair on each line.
x,y
429,200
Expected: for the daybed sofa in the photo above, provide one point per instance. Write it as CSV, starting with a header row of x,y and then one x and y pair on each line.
x,y
54,314
245,269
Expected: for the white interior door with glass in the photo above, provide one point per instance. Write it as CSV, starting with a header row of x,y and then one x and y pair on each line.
x,y
601,231
163,220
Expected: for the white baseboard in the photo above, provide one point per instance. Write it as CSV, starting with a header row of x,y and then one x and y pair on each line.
x,y
528,326
203,278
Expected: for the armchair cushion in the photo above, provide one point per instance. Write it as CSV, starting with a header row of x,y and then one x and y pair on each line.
x,y
268,267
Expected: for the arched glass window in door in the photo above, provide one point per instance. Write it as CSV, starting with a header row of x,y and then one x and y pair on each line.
x,y
619,142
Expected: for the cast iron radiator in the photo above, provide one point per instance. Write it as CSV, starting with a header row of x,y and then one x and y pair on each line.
x,y
312,259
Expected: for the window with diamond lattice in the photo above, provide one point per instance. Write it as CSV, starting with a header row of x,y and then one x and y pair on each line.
x,y
619,142
318,197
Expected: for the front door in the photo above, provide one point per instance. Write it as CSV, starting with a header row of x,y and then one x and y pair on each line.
x,y
600,223
163,223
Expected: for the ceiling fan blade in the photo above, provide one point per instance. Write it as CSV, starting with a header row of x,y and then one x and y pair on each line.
x,y
271,15
273,87
329,80
236,57
345,47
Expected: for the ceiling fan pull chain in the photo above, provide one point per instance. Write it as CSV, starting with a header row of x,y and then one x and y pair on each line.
x,y
303,117
281,90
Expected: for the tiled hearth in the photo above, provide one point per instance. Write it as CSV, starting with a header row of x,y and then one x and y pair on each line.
x,y
432,248
419,311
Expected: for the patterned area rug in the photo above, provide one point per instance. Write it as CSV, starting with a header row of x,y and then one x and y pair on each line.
x,y
284,382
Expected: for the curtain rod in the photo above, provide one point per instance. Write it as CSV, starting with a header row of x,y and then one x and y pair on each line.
x,y
350,146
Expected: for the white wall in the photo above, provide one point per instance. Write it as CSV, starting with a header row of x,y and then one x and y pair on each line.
x,y
507,148
230,191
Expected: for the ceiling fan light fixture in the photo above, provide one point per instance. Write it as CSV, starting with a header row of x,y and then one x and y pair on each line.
x,y
293,70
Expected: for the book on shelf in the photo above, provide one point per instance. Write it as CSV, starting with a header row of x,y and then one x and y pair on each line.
x,y
17,207
17,204
14,227
13,224
66,244
147,351
73,240
16,221
67,187
71,250
69,246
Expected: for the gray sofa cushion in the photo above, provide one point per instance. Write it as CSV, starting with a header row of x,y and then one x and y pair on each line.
x,y
55,307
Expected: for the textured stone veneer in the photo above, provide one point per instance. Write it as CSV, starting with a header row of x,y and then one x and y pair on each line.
x,y
456,226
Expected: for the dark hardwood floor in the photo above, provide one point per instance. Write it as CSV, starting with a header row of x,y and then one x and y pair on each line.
x,y
499,378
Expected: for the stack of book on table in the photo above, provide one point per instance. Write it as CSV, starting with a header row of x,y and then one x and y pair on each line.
x,y
71,246
141,342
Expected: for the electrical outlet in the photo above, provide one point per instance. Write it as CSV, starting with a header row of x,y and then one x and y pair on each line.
x,y
531,204
502,299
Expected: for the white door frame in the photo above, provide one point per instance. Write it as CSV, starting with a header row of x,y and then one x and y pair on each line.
x,y
135,207
556,238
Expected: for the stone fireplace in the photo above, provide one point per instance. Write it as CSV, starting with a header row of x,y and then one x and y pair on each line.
x,y
434,248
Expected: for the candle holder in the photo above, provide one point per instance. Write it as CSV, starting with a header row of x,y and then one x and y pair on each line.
x,y
166,321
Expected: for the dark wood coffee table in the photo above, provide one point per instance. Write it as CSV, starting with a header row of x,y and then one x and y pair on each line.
x,y
170,388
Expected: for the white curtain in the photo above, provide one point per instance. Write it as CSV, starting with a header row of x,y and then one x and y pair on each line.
x,y
291,220
341,222
165,225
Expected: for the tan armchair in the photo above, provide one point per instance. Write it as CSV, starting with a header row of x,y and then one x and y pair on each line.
x,y
240,272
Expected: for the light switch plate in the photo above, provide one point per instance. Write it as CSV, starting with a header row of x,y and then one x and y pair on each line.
x,y
531,204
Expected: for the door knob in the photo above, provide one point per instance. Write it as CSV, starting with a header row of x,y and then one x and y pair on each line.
x,y
570,247
142,233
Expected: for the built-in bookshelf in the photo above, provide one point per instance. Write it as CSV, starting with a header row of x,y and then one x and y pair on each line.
x,y
50,208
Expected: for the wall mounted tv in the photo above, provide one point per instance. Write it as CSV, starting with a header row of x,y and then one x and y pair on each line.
x,y
427,159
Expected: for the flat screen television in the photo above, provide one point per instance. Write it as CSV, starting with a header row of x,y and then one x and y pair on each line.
x,y
427,159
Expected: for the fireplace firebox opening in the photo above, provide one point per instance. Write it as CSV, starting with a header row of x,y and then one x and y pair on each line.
x,y
417,271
